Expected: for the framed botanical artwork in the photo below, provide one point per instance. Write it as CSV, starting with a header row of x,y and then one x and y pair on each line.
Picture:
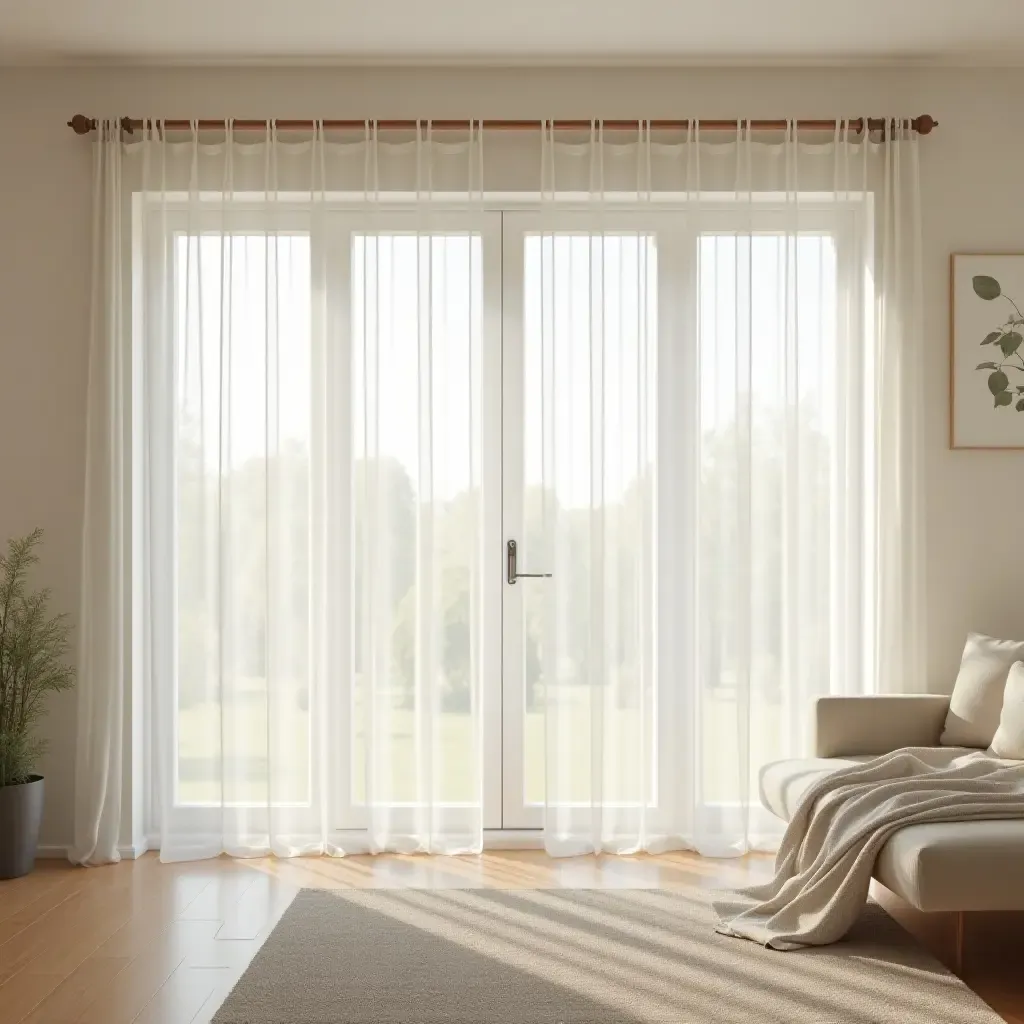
x,y
986,373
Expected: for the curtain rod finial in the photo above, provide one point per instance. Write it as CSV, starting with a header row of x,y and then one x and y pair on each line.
x,y
81,124
925,123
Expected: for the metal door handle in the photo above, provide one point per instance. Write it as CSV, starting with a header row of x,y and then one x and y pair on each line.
x,y
513,575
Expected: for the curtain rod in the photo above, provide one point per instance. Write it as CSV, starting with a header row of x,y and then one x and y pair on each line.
x,y
923,125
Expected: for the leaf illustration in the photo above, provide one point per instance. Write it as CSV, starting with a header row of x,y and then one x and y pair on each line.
x,y
1020,405
986,366
997,384
986,287
1003,398
1009,343
994,336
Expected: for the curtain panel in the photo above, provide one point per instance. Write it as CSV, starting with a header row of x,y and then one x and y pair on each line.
x,y
300,476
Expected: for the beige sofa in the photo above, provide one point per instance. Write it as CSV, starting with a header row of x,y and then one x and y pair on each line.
x,y
976,865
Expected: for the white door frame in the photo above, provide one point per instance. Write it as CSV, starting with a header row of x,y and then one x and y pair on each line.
x,y
488,223
675,263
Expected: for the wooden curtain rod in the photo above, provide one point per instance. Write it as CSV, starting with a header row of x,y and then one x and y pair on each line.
x,y
923,125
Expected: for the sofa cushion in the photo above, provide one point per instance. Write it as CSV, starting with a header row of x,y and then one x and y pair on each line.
x,y
971,865
1009,738
877,724
977,699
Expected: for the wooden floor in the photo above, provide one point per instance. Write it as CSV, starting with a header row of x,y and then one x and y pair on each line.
x,y
149,942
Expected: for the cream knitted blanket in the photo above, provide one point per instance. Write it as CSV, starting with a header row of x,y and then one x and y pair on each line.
x,y
823,869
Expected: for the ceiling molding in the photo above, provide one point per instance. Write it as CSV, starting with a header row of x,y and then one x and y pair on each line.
x,y
453,34
498,61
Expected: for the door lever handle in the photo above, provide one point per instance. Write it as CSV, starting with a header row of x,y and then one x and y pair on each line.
x,y
513,574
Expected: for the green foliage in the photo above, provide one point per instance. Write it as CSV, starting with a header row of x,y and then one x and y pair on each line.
x,y
1008,340
986,287
33,646
997,382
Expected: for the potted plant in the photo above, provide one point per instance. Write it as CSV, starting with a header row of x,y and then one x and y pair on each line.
x,y
33,646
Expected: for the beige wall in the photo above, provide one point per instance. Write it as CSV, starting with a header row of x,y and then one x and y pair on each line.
x,y
972,176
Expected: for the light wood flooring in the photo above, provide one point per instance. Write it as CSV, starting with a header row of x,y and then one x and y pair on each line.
x,y
164,943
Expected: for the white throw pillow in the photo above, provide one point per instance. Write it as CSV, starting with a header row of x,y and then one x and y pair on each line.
x,y
1009,738
977,700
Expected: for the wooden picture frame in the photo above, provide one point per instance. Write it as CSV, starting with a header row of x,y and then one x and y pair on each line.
x,y
986,351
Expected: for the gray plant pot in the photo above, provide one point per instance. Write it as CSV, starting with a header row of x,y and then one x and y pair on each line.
x,y
21,811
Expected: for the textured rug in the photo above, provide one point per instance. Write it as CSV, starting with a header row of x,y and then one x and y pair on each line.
x,y
575,956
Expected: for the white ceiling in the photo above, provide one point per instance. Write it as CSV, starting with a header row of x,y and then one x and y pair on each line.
x,y
512,31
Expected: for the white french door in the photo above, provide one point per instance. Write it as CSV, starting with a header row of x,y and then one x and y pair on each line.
x,y
548,288
414,464
553,289
580,329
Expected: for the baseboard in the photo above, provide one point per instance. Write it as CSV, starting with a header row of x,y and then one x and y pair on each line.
x,y
135,851
47,851
494,839
513,839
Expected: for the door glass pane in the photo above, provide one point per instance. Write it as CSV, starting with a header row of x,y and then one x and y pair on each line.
x,y
417,330
768,407
589,328
242,458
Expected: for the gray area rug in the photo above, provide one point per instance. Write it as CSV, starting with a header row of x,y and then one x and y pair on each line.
x,y
575,956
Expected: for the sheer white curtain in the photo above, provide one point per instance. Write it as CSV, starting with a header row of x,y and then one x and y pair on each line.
x,y
294,496
731,503
287,414
105,620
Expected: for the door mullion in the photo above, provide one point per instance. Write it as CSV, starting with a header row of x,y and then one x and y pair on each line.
x,y
501,364
515,814
492,486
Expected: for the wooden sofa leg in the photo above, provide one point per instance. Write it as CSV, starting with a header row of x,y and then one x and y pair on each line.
x,y
959,953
